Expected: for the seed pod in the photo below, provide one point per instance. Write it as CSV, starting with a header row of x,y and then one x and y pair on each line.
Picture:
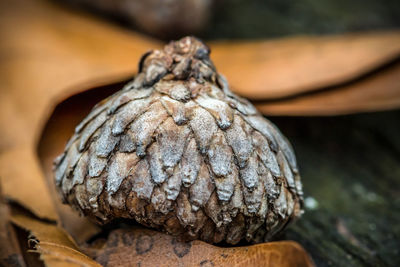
x,y
176,150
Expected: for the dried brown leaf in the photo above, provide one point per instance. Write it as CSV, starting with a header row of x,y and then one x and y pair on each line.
x,y
22,181
380,91
279,68
142,247
10,252
64,49
55,246
46,52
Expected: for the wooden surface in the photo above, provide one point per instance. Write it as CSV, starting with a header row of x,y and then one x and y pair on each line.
x,y
350,166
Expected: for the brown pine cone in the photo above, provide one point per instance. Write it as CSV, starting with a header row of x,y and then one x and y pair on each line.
x,y
176,150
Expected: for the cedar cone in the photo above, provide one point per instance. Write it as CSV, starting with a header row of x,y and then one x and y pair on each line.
x,y
176,150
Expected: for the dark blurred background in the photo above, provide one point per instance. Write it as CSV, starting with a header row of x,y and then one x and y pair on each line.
x,y
275,18
242,19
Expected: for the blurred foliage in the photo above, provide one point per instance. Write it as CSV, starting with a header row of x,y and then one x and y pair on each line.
x,y
272,18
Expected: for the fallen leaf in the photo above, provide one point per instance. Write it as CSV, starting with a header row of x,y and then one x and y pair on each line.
x,y
279,68
48,53
22,181
55,246
136,246
10,253
143,247
379,91
64,49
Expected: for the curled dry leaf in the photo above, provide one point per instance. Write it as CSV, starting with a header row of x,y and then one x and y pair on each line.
x,y
95,53
32,80
55,246
289,66
142,247
36,196
10,253
378,91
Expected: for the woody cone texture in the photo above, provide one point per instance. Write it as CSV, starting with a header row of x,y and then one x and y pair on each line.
x,y
177,151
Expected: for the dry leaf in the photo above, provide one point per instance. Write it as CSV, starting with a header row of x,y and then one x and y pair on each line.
x,y
10,253
379,91
63,50
55,246
142,247
22,181
280,68
93,53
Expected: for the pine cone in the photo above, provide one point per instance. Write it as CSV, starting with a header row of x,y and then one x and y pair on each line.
x,y
176,150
